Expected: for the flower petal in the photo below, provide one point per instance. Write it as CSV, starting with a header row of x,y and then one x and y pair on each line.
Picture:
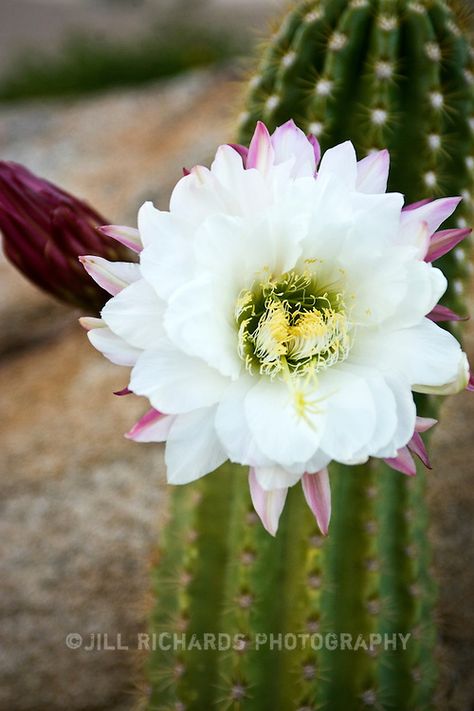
x,y
316,148
197,321
350,414
317,493
261,154
174,382
444,241
166,261
232,426
342,162
433,213
90,322
192,447
276,477
442,313
128,236
280,433
154,426
423,424
243,152
267,504
290,143
111,276
136,315
123,392
425,356
372,172
113,347
417,446
403,462
470,384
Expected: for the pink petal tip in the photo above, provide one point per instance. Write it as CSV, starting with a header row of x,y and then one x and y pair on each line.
x,y
267,504
403,462
317,491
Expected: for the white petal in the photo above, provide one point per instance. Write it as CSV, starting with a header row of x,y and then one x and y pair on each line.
x,y
424,286
372,172
174,382
192,448
350,414
276,477
197,196
233,429
243,192
290,143
111,276
342,162
113,347
268,504
136,315
167,260
197,321
280,433
424,356
456,385
385,408
318,461
432,213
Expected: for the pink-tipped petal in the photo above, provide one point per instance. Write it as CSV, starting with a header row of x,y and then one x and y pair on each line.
x,y
316,148
417,446
317,493
372,173
88,323
128,236
444,241
121,393
470,385
243,152
289,142
442,313
154,426
433,213
403,462
267,504
416,205
186,172
423,424
261,154
111,276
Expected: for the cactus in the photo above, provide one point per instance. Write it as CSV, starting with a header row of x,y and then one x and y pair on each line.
x,y
384,73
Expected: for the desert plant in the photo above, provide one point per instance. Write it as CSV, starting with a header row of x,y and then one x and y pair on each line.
x,y
383,73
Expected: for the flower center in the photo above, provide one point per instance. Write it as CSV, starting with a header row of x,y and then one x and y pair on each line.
x,y
290,325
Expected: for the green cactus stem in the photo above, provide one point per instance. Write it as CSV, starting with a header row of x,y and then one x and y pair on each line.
x,y
382,73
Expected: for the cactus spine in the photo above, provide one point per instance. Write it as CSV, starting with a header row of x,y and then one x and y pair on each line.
x,y
384,73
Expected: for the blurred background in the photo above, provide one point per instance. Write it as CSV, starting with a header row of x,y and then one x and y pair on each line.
x,y
110,99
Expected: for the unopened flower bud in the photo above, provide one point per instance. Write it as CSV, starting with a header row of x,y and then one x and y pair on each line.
x,y
45,230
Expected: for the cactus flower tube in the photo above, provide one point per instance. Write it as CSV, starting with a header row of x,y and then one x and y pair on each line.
x,y
280,318
44,231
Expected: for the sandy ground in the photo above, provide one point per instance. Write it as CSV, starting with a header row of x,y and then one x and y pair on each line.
x,y
82,507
